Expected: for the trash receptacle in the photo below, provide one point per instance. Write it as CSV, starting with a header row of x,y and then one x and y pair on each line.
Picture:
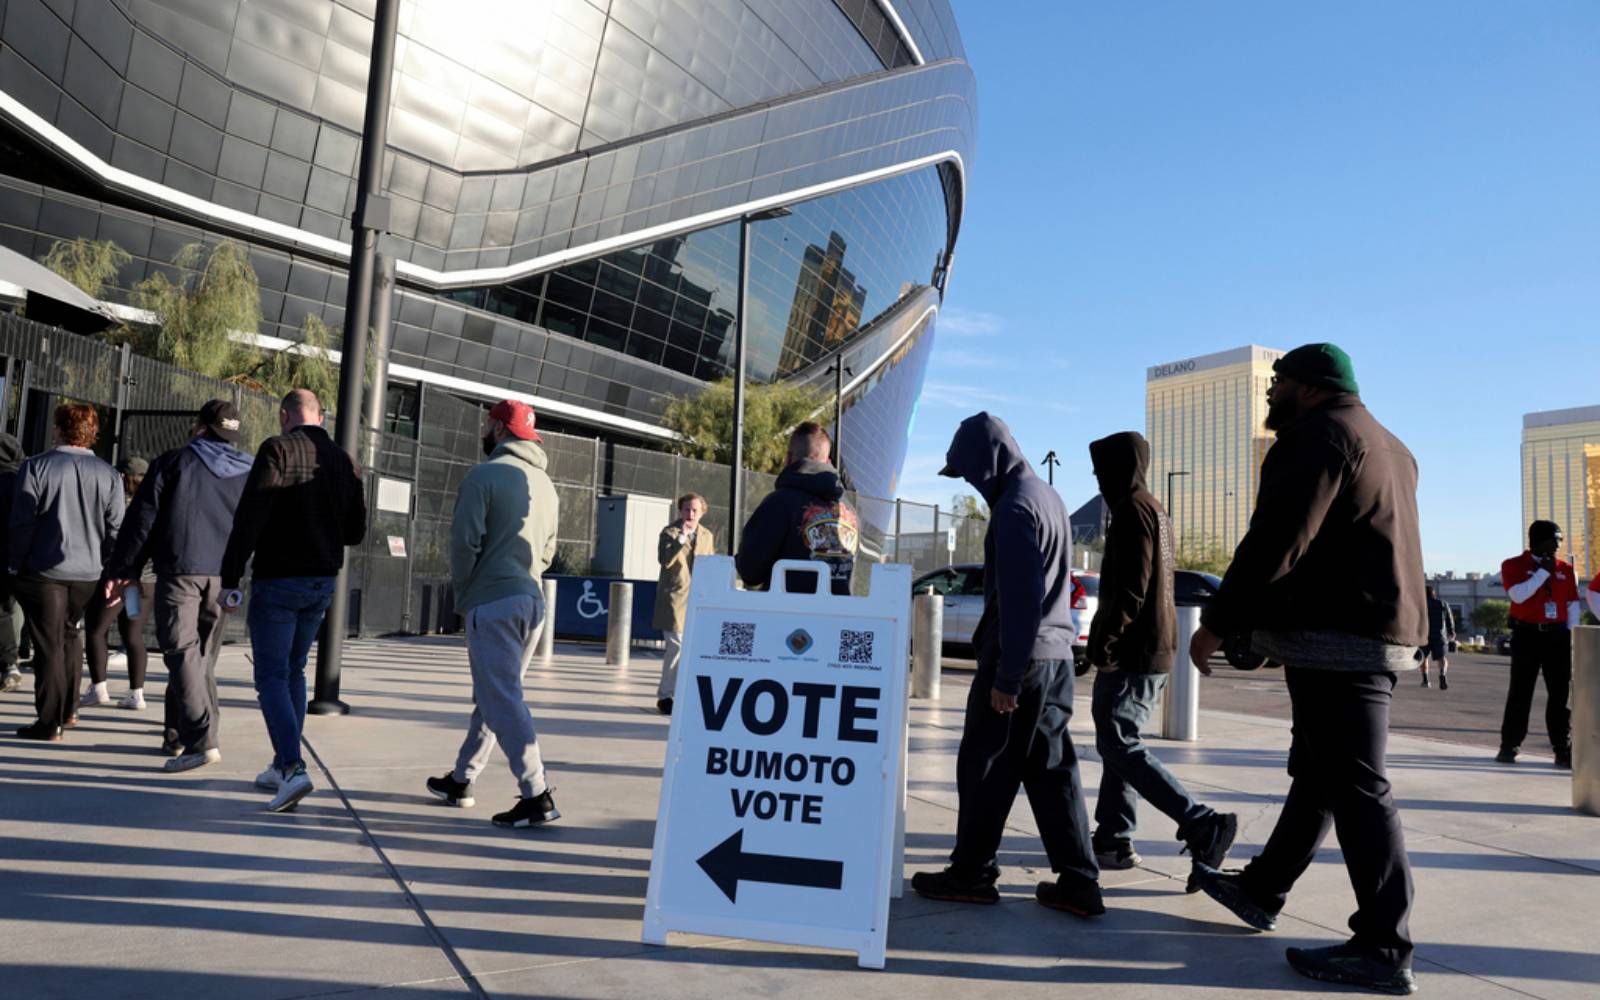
x,y
1586,720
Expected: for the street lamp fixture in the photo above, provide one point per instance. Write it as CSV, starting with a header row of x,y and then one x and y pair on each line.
x,y
1050,462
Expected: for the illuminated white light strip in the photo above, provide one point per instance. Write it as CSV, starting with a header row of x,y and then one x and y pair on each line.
x,y
900,28
444,280
883,359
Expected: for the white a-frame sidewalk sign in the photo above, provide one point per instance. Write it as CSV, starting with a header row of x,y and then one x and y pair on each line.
x,y
785,763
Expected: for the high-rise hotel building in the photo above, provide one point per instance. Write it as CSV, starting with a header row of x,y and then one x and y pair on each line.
x,y
1205,420
1561,479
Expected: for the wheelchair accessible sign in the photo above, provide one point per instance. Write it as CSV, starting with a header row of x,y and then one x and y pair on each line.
x,y
781,789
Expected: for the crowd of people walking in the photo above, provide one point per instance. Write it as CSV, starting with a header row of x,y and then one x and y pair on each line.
x,y
1328,581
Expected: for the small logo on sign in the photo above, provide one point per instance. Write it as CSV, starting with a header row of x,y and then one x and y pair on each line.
x,y
799,641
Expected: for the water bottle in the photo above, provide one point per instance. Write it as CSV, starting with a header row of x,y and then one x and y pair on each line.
x,y
130,600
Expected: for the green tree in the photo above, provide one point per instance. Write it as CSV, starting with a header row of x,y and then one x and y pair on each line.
x,y
216,296
1203,554
1491,615
968,505
304,366
89,264
704,422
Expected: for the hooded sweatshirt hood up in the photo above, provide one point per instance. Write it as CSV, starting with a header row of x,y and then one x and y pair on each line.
x,y
984,453
1121,465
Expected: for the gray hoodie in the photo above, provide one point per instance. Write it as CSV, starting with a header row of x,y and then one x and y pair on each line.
x,y
66,514
503,534
1027,554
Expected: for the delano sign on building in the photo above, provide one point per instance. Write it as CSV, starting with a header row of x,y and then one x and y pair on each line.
x,y
1205,417
785,764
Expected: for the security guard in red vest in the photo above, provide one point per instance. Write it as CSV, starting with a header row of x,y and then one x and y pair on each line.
x,y
1545,608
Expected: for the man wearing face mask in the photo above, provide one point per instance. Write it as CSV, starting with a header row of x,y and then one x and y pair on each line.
x,y
1328,581
1544,610
502,538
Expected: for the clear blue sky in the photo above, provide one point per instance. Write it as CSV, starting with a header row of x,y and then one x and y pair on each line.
x,y
1418,182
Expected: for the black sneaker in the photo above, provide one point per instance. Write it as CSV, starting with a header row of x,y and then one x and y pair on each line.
x,y
530,812
955,886
1076,896
1116,855
1507,755
1564,759
1342,963
664,706
1225,888
451,792
40,731
1444,682
1210,844
1425,680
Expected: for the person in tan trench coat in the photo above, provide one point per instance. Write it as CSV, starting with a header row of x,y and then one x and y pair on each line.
x,y
680,542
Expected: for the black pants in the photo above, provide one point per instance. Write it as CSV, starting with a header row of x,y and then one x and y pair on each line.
x,y
55,623
1336,758
1028,748
97,629
9,653
189,628
1533,652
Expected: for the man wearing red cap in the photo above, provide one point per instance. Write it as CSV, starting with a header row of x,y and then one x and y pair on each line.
x,y
502,538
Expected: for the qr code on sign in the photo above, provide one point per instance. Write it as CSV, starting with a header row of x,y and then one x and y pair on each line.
x,y
738,639
855,647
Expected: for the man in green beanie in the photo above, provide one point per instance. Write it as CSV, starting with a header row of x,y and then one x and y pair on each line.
x,y
1328,581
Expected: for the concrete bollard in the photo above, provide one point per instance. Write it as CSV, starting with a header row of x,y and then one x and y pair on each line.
x,y
1180,711
927,645
547,636
619,624
1586,720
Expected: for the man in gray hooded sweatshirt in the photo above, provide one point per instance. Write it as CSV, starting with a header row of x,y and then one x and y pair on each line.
x,y
1015,733
502,539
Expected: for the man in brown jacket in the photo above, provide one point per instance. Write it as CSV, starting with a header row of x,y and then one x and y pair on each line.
x,y
1132,644
1328,581
680,542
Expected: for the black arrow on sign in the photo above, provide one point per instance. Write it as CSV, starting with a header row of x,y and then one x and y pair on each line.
x,y
727,864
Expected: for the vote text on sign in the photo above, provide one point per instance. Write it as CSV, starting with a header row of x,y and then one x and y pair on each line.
x,y
784,763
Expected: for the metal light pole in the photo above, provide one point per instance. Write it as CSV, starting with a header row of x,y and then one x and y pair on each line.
x,y
736,471
1050,462
1170,477
371,219
840,370
382,340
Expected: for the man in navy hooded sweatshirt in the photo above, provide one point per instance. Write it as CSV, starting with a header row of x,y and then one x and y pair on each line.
x,y
180,521
1015,733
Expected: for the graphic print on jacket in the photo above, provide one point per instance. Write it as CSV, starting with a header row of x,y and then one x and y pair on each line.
x,y
831,534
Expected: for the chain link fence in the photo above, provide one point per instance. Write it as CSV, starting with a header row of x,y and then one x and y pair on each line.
x,y
400,574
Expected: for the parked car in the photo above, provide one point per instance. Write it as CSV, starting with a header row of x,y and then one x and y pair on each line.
x,y
961,586
1193,589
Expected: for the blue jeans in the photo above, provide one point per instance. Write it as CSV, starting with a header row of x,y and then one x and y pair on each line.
x,y
1121,705
285,615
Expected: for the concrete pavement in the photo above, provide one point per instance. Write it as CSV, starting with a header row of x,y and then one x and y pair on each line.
x,y
117,880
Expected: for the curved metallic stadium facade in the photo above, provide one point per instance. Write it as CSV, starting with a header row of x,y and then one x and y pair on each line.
x,y
566,178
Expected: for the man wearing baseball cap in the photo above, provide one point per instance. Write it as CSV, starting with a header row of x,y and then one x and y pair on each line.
x,y
1545,609
179,521
502,537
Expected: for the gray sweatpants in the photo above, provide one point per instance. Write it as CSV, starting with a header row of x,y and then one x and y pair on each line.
x,y
189,630
500,639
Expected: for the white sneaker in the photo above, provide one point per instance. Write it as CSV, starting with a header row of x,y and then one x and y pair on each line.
x,y
295,786
117,661
190,761
96,695
133,700
269,779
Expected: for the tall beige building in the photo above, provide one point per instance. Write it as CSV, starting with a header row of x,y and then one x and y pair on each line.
x,y
1561,479
1204,416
